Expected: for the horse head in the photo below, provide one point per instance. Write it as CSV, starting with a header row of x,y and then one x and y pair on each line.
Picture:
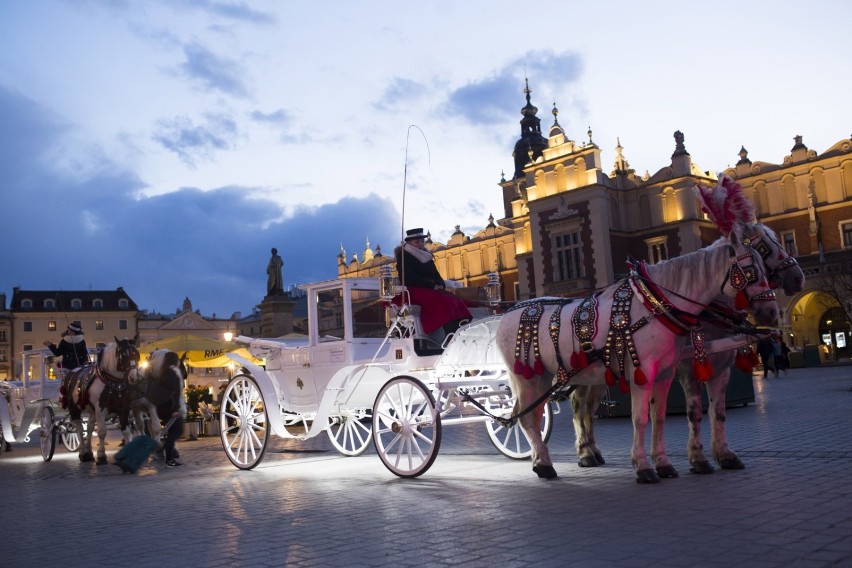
x,y
782,269
747,282
126,356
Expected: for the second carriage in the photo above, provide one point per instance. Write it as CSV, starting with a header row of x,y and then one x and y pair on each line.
x,y
365,372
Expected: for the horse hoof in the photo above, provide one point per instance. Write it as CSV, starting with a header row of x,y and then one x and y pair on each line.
x,y
647,476
731,463
667,471
588,461
87,457
545,471
101,461
701,467
599,457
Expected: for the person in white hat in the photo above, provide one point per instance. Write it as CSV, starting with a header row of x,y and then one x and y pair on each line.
x,y
418,273
72,347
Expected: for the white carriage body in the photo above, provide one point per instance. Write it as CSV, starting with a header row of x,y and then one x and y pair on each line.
x,y
349,354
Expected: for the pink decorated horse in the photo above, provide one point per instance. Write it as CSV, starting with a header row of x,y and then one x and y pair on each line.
x,y
632,329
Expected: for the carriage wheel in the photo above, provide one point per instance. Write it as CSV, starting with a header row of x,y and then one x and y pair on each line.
x,y
47,434
513,442
70,437
244,426
406,427
350,433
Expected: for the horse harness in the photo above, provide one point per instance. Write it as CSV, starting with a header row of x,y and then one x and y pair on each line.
x,y
619,340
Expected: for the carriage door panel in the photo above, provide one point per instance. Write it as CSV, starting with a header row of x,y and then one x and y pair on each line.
x,y
296,382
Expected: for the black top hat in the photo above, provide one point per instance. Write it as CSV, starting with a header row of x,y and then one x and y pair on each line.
x,y
75,328
414,234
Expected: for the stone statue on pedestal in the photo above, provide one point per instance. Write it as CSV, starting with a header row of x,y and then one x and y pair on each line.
x,y
274,280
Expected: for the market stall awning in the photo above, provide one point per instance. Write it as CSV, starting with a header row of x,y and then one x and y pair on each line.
x,y
199,351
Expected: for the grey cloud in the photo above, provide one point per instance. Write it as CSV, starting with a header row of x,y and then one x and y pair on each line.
x,y
212,71
231,10
279,116
400,92
194,143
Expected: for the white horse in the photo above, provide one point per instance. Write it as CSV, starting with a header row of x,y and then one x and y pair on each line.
x,y
728,207
100,389
783,271
149,373
635,337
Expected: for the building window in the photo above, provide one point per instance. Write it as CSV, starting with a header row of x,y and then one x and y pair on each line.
x,y
122,324
846,234
122,303
99,325
26,304
568,250
27,347
97,303
2,335
28,326
77,304
51,326
788,239
658,249
49,304
3,357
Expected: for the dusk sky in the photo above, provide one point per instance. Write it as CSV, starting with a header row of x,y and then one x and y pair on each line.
x,y
167,146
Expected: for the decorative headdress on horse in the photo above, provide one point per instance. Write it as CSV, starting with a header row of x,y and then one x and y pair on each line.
x,y
726,205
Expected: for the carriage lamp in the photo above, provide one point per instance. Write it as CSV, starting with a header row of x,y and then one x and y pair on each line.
x,y
228,336
492,289
388,285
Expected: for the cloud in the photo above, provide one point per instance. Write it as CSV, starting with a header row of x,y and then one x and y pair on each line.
x,y
399,93
213,72
231,10
211,246
194,143
490,100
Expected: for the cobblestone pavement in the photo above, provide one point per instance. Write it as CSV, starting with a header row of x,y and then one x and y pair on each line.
x,y
305,505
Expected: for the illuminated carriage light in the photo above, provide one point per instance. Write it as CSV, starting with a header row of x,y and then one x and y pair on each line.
x,y
388,283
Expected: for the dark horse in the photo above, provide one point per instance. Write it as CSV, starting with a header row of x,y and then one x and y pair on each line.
x,y
101,389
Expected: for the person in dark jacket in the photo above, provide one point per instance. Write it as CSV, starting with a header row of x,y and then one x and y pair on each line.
x,y
418,273
72,347
166,396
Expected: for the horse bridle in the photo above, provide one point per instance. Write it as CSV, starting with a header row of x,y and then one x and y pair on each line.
x,y
127,356
740,277
758,244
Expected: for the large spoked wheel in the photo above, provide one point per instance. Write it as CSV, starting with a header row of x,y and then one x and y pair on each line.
x,y
244,425
350,433
406,427
512,441
47,434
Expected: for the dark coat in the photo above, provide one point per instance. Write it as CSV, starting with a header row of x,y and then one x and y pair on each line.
x,y
165,392
73,354
417,274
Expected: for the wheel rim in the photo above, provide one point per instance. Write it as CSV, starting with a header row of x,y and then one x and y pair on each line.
x,y
244,427
350,433
512,441
406,429
70,438
47,434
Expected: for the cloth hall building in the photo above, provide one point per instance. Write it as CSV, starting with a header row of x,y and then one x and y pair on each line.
x,y
569,223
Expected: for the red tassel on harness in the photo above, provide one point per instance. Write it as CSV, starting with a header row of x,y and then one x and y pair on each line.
x,y
574,360
538,367
743,363
753,358
622,384
702,371
584,361
519,367
610,378
639,377
741,301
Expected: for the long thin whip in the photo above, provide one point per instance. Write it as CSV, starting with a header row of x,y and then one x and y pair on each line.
x,y
404,186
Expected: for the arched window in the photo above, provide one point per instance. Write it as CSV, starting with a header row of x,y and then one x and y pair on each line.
x,y
122,303
76,304
50,304
26,304
97,303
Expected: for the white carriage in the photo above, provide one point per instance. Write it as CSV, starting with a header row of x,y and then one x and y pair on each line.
x,y
366,372
32,403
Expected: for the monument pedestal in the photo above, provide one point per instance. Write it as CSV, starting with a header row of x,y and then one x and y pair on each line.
x,y
276,315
